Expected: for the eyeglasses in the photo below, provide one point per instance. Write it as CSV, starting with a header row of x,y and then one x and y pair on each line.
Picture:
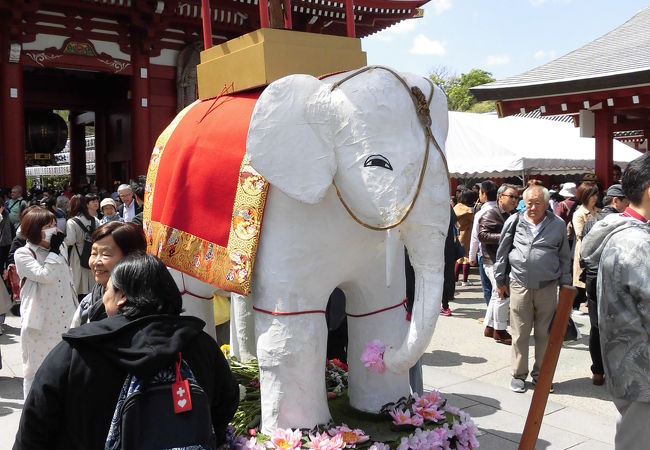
x,y
514,197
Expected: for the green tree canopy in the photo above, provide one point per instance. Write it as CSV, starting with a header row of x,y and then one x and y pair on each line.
x,y
459,98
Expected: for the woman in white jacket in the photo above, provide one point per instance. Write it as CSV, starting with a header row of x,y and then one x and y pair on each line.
x,y
48,299
79,220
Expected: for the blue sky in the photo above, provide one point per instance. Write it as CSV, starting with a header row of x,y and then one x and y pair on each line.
x,y
504,37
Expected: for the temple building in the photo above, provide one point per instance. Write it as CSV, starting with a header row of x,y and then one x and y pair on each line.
x,y
126,67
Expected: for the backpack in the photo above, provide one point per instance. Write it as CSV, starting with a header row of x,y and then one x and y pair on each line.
x,y
84,256
168,410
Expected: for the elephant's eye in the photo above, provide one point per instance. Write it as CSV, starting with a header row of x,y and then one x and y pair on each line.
x,y
379,161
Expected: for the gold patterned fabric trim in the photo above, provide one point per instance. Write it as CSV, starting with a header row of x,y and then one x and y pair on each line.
x,y
228,268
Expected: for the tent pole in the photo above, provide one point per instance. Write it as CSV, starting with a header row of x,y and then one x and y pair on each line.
x,y
523,177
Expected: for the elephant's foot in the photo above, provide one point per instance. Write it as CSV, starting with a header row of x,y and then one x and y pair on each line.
x,y
291,355
369,391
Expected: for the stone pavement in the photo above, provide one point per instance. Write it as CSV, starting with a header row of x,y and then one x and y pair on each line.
x,y
471,371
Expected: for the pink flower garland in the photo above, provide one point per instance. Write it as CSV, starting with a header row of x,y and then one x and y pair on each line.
x,y
373,356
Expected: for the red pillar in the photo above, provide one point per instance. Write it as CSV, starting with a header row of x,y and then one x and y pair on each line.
x,y
264,13
349,18
604,146
288,23
12,117
207,24
140,122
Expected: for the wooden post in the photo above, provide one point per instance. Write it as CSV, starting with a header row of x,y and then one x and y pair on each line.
x,y
207,24
604,163
546,372
349,18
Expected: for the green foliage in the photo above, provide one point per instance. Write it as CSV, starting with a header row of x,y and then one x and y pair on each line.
x,y
459,98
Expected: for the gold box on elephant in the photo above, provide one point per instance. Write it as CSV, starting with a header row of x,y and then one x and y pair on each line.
x,y
263,56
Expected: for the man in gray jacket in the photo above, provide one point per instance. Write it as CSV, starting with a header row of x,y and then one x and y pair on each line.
x,y
534,251
622,244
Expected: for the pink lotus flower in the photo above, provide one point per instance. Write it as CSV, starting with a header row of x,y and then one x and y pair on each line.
x,y
431,414
325,442
350,437
248,444
379,446
373,356
417,420
401,417
286,439
428,399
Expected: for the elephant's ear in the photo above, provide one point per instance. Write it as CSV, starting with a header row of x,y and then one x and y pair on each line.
x,y
290,139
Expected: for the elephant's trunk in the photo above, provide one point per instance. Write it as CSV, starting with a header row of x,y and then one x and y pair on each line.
x,y
428,261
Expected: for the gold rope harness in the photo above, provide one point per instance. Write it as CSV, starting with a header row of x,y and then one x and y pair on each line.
x,y
421,104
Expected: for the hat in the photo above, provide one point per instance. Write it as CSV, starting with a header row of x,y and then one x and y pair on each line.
x,y
615,190
590,178
107,201
568,190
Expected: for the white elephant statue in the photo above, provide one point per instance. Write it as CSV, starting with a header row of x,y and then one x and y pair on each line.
x,y
346,157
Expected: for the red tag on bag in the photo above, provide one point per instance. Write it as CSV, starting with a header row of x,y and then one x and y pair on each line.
x,y
181,391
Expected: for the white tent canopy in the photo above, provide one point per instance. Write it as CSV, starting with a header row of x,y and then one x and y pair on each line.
x,y
482,145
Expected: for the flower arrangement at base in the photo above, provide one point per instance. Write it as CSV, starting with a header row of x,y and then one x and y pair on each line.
x,y
415,423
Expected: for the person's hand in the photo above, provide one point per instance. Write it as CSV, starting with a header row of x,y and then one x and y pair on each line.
x,y
55,242
503,291
472,263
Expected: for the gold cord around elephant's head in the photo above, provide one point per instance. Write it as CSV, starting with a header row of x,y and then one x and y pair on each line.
x,y
422,109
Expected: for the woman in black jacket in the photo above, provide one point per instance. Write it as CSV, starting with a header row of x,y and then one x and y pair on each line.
x,y
75,391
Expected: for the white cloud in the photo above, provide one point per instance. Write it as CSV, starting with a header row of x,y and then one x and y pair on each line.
x,y
441,5
403,27
422,45
498,60
382,37
544,55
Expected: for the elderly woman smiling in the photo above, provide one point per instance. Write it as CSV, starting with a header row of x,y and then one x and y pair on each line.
x,y
74,394
111,242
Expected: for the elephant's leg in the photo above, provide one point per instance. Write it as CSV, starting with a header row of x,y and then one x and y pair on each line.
x,y
242,327
197,299
203,309
369,391
291,352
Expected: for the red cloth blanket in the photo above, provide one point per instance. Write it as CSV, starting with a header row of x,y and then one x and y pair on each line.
x,y
204,203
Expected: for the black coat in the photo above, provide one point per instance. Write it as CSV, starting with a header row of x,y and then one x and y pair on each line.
x,y
75,390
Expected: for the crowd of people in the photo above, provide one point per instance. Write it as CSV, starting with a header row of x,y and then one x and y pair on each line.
x,y
529,242
526,242
80,260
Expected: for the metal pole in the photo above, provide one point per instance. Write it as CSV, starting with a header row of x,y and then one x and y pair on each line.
x,y
207,24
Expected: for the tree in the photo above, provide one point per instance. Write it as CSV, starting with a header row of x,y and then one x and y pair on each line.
x,y
459,98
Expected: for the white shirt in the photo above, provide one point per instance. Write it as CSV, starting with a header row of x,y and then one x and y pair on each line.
x,y
533,228
473,243
129,211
